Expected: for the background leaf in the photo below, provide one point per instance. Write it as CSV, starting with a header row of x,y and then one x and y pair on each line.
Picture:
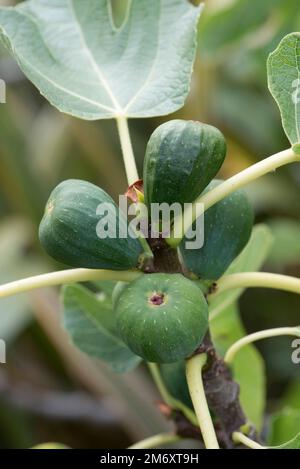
x,y
285,249
236,38
230,24
284,83
72,51
250,259
294,443
284,426
15,237
90,322
227,327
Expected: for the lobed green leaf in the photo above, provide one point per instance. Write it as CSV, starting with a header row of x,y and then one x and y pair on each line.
x,y
89,68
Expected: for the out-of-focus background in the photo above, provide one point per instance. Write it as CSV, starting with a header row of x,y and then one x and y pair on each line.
x,y
48,389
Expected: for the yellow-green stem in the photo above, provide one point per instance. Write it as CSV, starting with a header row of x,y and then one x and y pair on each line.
x,y
156,441
243,439
268,333
194,367
257,280
63,277
204,202
127,150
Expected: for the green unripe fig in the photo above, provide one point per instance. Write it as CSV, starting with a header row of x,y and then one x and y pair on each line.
x,y
162,317
182,157
227,229
69,229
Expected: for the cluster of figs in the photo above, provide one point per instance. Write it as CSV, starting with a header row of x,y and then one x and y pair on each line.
x,y
162,317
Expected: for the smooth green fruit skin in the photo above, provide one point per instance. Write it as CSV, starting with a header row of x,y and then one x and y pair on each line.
x,y
68,230
163,333
182,157
227,229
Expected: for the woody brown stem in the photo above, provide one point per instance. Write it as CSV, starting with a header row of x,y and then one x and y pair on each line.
x,y
222,392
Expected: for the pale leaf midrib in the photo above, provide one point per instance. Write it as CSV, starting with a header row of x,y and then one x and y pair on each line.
x,y
147,81
92,60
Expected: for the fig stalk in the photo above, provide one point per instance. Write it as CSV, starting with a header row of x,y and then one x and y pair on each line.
x,y
194,368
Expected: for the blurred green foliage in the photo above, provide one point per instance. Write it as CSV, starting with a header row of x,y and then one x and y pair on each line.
x,y
39,147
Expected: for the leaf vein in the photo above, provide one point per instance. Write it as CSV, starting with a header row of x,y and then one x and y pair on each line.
x,y
144,86
91,58
62,88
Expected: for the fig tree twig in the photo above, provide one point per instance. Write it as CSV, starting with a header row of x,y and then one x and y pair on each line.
x,y
248,339
204,202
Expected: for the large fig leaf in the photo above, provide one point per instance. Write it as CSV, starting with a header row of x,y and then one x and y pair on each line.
x,y
87,67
